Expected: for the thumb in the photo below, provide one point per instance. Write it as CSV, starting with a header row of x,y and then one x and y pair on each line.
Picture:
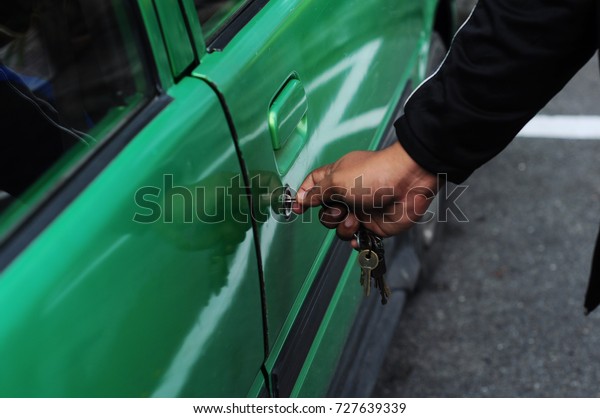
x,y
314,189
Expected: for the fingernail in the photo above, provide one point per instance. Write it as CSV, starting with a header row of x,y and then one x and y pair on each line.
x,y
301,194
348,223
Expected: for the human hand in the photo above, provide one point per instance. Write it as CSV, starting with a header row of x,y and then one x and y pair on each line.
x,y
386,191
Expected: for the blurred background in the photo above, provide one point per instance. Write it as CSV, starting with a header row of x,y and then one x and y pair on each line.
x,y
500,313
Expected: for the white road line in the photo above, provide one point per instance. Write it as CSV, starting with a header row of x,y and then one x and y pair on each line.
x,y
562,127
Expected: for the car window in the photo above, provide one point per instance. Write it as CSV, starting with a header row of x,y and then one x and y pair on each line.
x,y
71,73
214,14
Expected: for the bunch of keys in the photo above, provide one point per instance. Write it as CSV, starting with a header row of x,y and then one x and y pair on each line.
x,y
371,259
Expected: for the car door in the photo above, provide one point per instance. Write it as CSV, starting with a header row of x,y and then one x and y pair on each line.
x,y
306,81
123,272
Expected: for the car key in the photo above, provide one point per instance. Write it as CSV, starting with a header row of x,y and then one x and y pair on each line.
x,y
368,261
364,243
368,241
378,272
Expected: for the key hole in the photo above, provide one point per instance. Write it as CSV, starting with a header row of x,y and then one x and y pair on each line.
x,y
287,202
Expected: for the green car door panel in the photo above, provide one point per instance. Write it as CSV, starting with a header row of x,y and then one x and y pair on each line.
x,y
126,293
353,59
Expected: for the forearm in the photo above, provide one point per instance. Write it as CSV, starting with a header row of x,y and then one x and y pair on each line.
x,y
503,66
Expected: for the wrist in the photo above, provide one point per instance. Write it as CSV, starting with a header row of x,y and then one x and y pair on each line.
x,y
409,168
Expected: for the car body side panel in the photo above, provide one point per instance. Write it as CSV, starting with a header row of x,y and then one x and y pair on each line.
x,y
102,305
354,58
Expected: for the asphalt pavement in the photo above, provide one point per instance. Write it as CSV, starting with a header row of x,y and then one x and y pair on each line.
x,y
501,315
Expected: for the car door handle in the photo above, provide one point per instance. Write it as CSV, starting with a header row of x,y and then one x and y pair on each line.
x,y
288,123
286,112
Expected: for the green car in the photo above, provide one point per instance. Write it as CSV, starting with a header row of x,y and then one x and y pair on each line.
x,y
146,244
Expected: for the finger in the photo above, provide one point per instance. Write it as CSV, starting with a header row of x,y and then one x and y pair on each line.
x,y
354,244
332,215
347,229
309,192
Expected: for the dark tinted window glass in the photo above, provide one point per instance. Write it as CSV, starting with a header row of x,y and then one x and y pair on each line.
x,y
71,72
214,14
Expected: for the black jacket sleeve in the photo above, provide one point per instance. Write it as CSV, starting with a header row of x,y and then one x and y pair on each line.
x,y
504,65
